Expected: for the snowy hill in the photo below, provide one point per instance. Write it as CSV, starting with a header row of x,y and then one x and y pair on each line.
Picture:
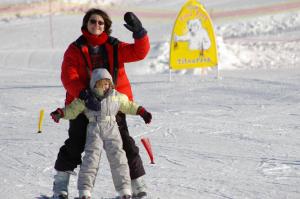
x,y
261,42
235,137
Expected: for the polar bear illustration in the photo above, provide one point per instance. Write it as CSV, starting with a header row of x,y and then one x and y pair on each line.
x,y
196,36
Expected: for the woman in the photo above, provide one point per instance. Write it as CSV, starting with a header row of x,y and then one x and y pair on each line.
x,y
96,49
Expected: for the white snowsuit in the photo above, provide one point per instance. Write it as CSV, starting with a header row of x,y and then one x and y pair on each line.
x,y
103,132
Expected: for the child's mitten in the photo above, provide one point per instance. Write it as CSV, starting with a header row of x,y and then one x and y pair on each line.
x,y
144,114
90,100
57,114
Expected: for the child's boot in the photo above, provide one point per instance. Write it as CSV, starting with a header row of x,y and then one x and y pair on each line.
x,y
85,197
60,196
126,197
125,194
60,185
84,194
138,187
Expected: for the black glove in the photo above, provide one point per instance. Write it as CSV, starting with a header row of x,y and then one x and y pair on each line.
x,y
147,117
57,114
134,25
90,100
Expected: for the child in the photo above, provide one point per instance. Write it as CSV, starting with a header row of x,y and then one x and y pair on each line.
x,y
103,132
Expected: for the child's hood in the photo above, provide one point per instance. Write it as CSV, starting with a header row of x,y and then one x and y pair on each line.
x,y
98,74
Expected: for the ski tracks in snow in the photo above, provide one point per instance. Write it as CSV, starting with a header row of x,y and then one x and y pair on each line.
x,y
280,168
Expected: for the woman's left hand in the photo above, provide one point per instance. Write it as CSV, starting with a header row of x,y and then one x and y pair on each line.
x,y
134,25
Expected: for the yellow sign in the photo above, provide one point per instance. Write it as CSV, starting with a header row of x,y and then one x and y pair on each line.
x,y
193,42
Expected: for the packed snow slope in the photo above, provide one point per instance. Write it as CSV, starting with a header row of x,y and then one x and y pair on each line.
x,y
232,137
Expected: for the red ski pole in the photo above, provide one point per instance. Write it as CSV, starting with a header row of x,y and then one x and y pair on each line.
x,y
147,145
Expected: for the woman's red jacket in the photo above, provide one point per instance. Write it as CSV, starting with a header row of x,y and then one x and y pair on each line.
x,y
75,74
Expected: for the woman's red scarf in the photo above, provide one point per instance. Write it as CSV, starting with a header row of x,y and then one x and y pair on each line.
x,y
95,40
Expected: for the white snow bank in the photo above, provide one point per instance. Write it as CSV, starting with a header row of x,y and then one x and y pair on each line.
x,y
102,2
271,26
255,43
19,1
42,59
107,2
268,42
260,43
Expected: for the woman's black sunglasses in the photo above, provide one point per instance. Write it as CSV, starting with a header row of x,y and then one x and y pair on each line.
x,y
93,21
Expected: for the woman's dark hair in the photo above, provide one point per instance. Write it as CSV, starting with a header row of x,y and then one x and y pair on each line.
x,y
104,15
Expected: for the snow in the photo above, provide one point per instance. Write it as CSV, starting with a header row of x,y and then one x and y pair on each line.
x,y
232,137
